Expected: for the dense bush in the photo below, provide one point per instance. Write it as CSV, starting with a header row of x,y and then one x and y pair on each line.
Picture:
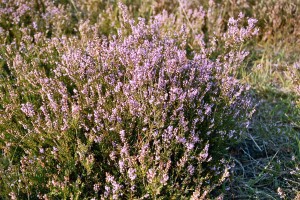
x,y
135,114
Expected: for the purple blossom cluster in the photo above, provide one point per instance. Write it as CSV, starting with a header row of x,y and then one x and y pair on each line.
x,y
132,115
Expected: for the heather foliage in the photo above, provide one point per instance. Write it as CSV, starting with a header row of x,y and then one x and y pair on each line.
x,y
104,100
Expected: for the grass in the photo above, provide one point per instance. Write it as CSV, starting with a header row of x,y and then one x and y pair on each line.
x,y
267,160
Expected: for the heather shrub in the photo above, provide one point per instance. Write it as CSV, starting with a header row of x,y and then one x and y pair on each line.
x,y
208,19
277,19
51,17
137,114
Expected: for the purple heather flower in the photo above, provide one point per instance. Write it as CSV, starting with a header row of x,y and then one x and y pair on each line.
x,y
164,179
131,174
27,109
191,169
151,175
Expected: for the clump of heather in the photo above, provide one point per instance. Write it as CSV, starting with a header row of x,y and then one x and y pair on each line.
x,y
131,116
51,17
